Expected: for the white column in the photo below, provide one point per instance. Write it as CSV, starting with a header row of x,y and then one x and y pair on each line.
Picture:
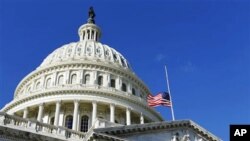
x,y
112,113
129,89
57,112
76,106
106,79
118,83
141,119
128,118
25,113
40,112
94,111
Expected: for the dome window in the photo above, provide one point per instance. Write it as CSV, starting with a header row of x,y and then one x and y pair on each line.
x,y
60,80
98,50
73,79
87,79
48,83
107,52
100,80
133,91
124,87
38,85
84,123
69,121
112,83
123,63
52,120
115,57
89,49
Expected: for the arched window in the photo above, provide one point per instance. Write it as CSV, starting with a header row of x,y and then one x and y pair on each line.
x,y
60,80
133,91
84,123
29,89
48,83
87,79
69,121
88,33
124,87
52,120
112,83
38,85
100,80
73,79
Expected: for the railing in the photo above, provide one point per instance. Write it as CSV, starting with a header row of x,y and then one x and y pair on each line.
x,y
39,127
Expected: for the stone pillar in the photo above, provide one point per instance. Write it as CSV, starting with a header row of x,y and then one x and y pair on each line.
x,y
141,119
57,113
40,112
25,113
94,111
128,117
112,113
106,81
76,106
129,88
118,83
93,78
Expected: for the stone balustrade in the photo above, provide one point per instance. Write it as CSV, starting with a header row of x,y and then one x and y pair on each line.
x,y
39,127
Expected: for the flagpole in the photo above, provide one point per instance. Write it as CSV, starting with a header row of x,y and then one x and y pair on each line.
x,y
172,107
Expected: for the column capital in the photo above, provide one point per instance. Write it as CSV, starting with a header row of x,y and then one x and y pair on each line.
x,y
112,104
59,102
94,102
128,108
76,101
41,104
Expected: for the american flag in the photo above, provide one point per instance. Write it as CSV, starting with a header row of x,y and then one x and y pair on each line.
x,y
161,99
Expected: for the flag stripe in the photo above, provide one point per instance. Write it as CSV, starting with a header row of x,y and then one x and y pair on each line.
x,y
161,99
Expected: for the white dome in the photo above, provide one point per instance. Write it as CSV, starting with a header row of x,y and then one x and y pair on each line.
x,y
89,78
83,51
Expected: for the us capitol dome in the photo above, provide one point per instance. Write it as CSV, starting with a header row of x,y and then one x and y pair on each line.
x,y
81,81
78,87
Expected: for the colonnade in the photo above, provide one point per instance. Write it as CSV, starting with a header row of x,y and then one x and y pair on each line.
x,y
76,111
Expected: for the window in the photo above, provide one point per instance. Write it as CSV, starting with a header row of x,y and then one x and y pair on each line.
x,y
69,121
87,79
100,80
73,79
52,120
38,85
48,83
123,63
112,83
124,87
133,91
60,80
29,89
84,123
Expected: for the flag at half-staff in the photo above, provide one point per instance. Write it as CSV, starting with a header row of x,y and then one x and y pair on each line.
x,y
161,99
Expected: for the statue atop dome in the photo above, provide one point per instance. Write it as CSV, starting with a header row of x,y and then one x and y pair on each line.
x,y
91,15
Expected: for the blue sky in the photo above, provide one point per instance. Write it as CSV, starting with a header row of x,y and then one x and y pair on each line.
x,y
205,44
